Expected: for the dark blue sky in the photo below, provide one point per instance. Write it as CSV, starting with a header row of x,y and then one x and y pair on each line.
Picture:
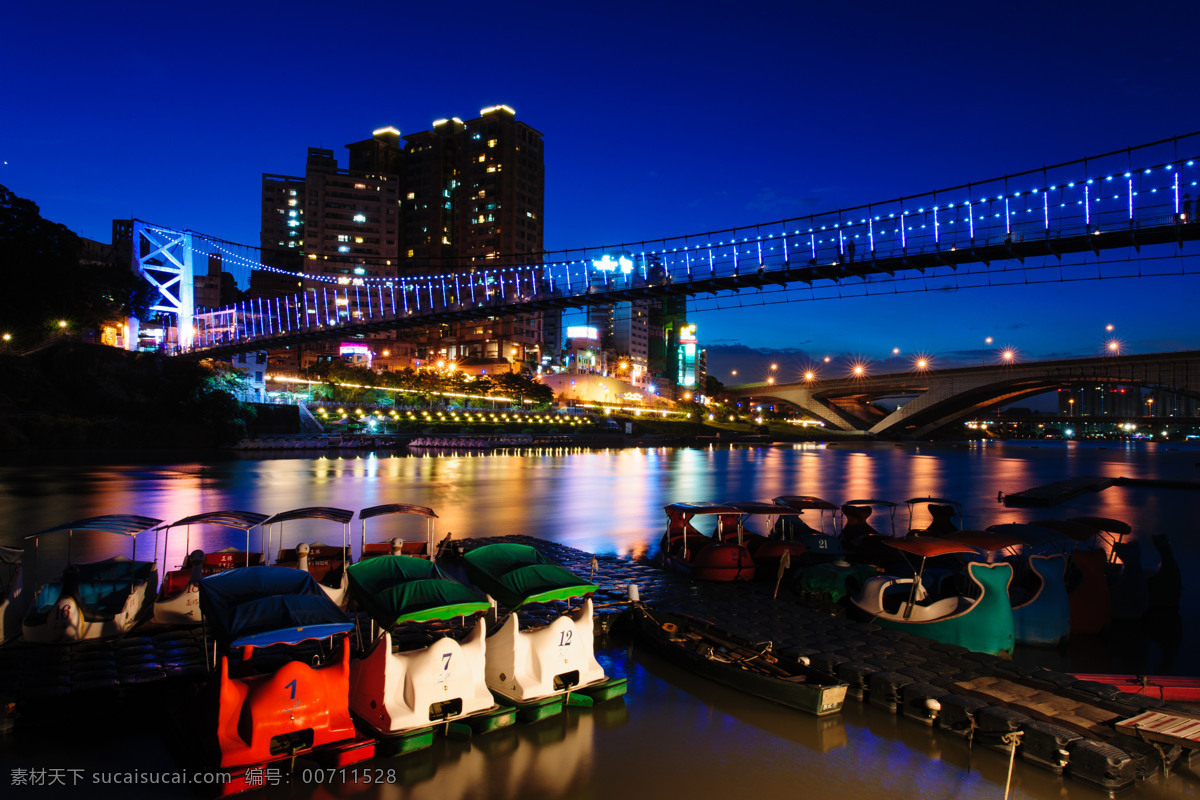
x,y
659,119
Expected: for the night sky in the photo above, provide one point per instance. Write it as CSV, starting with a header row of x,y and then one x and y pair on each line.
x,y
659,119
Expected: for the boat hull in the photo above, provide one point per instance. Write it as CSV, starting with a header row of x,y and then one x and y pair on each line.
x,y
1044,620
984,625
393,693
700,649
526,666
712,562
295,709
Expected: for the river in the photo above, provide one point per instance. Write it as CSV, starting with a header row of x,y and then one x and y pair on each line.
x,y
674,734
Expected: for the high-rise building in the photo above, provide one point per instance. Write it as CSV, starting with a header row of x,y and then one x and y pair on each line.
x,y
457,195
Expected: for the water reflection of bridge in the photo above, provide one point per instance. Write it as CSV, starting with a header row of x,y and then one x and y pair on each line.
x,y
946,396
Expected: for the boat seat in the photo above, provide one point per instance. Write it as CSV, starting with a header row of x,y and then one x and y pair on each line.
x,y
104,597
175,582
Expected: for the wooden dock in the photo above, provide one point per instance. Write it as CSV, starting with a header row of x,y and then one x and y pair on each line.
x,y
1052,494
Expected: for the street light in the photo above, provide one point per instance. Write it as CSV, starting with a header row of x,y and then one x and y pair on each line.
x,y
1150,403
895,352
983,351
1008,355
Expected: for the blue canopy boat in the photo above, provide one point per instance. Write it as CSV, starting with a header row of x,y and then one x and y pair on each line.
x,y
538,669
426,662
95,600
276,696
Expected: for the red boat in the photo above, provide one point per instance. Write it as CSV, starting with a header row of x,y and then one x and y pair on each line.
x,y
283,678
1169,688
706,556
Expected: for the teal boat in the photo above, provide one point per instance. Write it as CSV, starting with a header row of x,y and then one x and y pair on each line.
x,y
979,619
1040,602
425,665
540,667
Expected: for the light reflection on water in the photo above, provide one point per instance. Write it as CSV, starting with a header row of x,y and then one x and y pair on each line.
x,y
677,734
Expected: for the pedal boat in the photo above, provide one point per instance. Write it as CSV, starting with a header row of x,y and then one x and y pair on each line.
x,y
539,669
398,545
699,647
821,543
13,597
945,516
178,601
283,671
981,620
425,665
95,600
326,563
1087,580
1038,593
686,550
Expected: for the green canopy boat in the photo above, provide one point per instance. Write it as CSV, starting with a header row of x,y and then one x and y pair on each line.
x,y
517,574
395,589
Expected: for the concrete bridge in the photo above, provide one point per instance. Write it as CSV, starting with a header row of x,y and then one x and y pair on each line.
x,y
948,396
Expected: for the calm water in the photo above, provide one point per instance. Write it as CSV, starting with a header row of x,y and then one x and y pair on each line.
x,y
675,734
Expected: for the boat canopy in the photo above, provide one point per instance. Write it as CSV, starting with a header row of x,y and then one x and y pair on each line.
x,y
928,546
1030,535
806,502
396,508
263,606
242,520
123,524
1106,524
884,503
516,574
759,507
696,509
1073,529
313,512
942,501
395,589
11,555
990,540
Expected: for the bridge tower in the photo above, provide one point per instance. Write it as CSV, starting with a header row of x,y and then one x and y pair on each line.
x,y
164,257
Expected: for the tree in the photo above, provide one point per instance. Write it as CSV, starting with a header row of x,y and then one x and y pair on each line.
x,y
45,280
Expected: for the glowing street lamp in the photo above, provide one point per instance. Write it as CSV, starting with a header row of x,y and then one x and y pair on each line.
x,y
1070,406
1150,406
810,376
1008,355
895,352
983,351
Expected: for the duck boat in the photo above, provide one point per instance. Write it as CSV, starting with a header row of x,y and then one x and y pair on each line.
x,y
540,668
772,554
95,600
178,601
417,547
1038,594
1087,575
326,563
860,540
945,515
980,619
687,550
426,663
282,682
698,646
13,597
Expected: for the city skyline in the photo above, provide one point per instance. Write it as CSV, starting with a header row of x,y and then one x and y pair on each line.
x,y
678,124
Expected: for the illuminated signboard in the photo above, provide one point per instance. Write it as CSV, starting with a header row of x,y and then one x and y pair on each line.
x,y
582,332
687,334
622,263
355,352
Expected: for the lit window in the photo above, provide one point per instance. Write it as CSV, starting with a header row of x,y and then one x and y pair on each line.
x,y
360,186
481,157
360,217
491,142
345,248
342,237
412,195
491,169
358,240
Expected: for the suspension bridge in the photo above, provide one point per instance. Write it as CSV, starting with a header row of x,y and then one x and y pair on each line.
x,y
1128,213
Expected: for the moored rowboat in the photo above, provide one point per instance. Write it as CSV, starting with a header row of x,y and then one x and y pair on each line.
x,y
701,648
